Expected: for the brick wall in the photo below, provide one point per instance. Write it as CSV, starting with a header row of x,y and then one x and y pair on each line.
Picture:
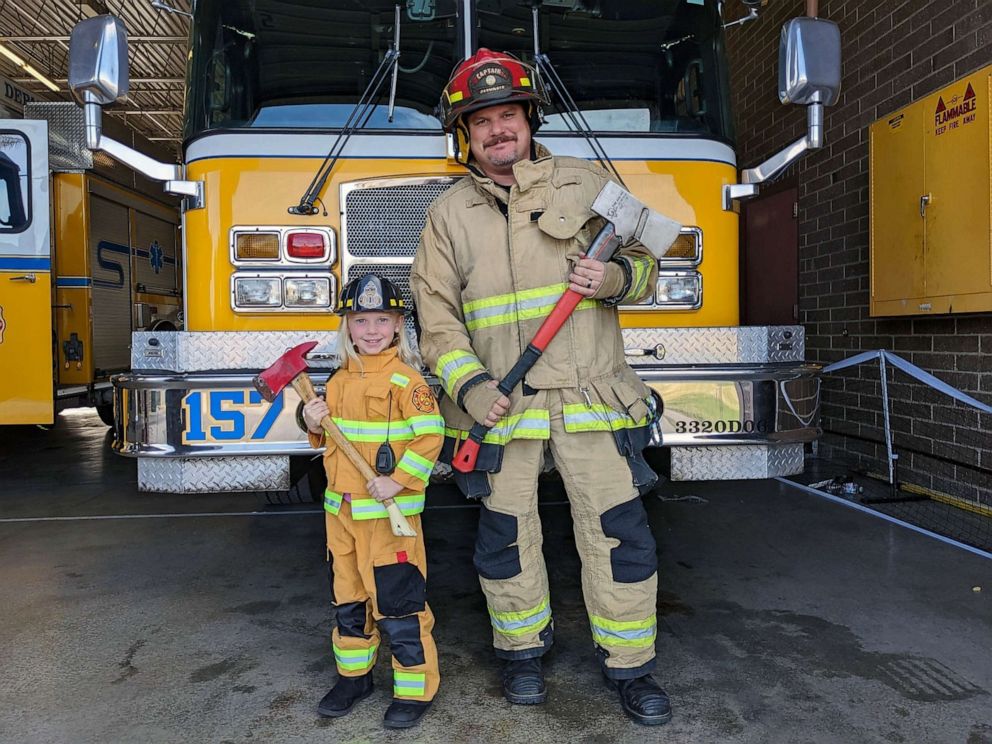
x,y
893,53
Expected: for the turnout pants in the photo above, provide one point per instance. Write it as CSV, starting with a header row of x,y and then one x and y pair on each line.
x,y
380,581
619,558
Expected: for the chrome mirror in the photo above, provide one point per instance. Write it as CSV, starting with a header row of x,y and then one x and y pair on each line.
x,y
98,60
809,62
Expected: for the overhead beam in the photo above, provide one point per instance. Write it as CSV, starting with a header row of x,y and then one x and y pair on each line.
x,y
64,39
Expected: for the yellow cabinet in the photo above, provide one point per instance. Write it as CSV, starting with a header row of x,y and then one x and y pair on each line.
x,y
930,203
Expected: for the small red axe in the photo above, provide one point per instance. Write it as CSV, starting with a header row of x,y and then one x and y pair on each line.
x,y
291,369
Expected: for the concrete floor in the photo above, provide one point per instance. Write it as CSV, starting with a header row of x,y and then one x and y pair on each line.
x,y
783,618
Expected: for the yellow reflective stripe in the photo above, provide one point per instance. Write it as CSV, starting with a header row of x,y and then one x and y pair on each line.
x,y
597,417
354,659
523,621
533,423
453,366
409,684
371,509
640,270
628,633
332,502
430,424
515,306
415,465
398,379
524,81
455,97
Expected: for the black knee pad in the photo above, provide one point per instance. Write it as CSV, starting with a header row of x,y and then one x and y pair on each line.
x,y
496,557
400,589
351,619
404,639
636,557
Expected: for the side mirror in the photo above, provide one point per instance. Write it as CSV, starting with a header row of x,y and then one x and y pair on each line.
x,y
98,60
809,62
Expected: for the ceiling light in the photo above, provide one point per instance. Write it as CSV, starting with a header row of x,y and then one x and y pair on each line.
x,y
16,59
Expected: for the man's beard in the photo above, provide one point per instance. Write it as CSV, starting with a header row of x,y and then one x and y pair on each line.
x,y
503,160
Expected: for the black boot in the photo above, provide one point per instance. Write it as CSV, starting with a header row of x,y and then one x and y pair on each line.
x,y
403,714
523,682
346,692
643,700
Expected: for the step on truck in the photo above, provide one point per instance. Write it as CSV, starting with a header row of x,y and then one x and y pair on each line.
x,y
311,152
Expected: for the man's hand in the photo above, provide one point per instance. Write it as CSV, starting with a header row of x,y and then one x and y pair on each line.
x,y
498,409
383,488
587,275
313,412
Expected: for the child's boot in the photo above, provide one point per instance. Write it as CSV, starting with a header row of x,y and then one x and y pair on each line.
x,y
405,713
346,692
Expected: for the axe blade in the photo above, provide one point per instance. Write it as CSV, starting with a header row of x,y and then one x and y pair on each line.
x,y
633,220
271,381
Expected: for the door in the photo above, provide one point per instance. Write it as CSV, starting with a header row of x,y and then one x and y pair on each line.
x,y
770,278
26,386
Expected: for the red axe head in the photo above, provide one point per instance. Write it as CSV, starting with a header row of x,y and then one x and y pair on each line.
x,y
270,381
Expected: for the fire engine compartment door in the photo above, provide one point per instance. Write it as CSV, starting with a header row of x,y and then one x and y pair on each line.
x,y
26,397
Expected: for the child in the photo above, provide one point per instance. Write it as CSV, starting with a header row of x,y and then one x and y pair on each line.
x,y
385,408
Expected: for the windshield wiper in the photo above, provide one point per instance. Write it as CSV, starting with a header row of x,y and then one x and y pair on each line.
x,y
358,118
570,111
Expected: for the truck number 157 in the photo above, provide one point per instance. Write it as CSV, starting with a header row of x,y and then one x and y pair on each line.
x,y
228,415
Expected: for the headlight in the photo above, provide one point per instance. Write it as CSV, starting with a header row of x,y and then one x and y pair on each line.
x,y
308,292
681,289
257,292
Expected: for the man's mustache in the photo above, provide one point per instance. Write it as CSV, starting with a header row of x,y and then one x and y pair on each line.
x,y
499,139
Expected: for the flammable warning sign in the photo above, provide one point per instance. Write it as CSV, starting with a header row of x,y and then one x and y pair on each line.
x,y
955,112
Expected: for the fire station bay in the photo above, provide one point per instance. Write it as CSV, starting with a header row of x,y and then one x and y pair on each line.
x,y
496,371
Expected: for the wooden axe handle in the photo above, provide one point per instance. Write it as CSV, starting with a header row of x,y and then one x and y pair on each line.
x,y
304,388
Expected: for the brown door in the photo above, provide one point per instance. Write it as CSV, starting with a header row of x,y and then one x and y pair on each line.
x,y
770,277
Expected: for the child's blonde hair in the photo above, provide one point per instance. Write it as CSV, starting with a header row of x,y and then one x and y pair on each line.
x,y
406,351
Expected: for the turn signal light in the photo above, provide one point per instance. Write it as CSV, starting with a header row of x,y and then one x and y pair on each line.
x,y
254,246
306,245
687,247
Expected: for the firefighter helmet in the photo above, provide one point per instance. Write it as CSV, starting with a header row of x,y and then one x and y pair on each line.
x,y
488,78
371,294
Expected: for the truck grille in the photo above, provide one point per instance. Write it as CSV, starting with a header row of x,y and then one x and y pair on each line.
x,y
381,226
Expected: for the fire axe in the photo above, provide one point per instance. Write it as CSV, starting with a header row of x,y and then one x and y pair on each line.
x,y
626,219
291,369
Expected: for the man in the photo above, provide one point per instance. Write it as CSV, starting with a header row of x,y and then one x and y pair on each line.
x,y
497,251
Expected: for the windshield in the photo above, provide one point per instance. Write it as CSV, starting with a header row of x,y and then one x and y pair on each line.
x,y
268,63
630,65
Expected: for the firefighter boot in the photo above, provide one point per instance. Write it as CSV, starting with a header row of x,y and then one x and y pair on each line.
x,y
643,700
403,714
523,682
342,697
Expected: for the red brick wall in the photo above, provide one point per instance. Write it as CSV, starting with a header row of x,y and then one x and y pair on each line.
x,y
893,53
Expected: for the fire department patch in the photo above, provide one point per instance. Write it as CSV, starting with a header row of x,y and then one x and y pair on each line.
x,y
370,297
423,399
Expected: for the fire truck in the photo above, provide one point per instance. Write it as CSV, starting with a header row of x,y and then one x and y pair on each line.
x,y
88,254
312,150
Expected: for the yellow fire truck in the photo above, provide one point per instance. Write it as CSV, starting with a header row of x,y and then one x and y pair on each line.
x,y
85,259
336,100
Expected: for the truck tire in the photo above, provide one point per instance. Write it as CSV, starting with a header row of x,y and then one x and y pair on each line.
x,y
106,413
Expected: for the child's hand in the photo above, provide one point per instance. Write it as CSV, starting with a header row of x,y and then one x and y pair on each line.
x,y
383,488
313,412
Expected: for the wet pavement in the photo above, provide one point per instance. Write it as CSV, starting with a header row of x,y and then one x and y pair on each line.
x,y
129,617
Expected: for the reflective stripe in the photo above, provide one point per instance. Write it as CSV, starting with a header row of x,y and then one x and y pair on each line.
x,y
640,272
332,502
454,365
415,465
533,423
355,659
515,306
432,424
372,509
409,684
629,633
398,379
522,622
597,417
